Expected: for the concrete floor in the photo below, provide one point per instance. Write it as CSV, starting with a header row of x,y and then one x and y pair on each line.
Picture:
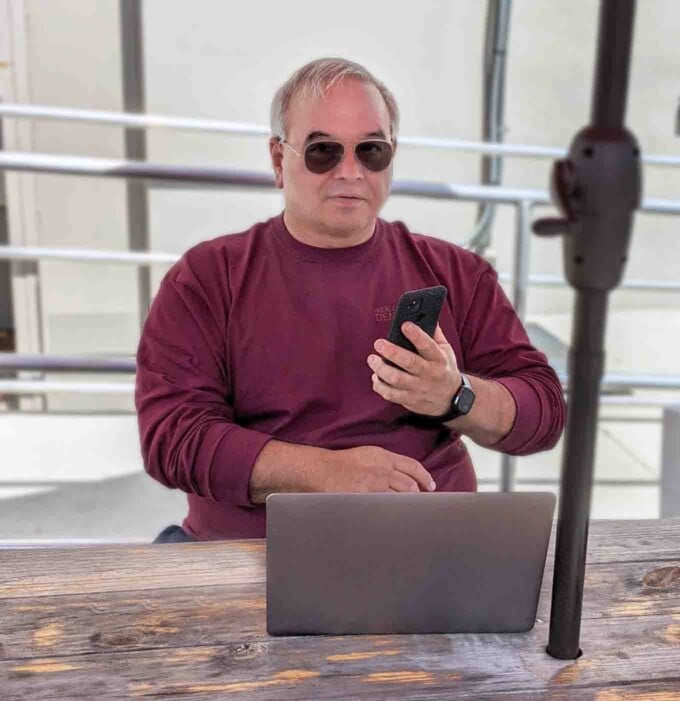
x,y
80,476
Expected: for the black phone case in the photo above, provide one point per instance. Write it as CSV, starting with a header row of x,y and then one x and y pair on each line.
x,y
422,307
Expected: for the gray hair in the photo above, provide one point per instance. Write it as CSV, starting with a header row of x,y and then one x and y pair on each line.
x,y
316,78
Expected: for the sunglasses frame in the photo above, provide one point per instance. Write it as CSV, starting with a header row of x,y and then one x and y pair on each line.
x,y
344,145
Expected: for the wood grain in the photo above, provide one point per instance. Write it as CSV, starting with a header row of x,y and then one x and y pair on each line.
x,y
188,621
215,615
49,571
363,666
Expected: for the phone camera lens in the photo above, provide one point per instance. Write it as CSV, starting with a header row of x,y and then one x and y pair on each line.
x,y
414,305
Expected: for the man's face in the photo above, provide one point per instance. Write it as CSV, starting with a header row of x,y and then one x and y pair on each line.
x,y
349,197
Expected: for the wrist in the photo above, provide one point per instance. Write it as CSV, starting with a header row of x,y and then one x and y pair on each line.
x,y
323,464
461,402
288,467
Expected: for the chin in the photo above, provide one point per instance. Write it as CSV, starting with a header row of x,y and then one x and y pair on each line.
x,y
348,221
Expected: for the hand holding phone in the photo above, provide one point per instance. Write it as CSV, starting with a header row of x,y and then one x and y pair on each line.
x,y
421,307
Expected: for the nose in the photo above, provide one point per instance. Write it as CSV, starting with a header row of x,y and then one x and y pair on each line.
x,y
349,168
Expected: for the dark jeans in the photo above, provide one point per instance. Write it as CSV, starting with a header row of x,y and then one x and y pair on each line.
x,y
173,534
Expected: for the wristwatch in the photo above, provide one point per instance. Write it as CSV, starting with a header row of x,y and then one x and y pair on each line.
x,y
461,403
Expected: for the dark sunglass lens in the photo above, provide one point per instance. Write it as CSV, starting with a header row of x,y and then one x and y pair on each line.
x,y
323,156
374,155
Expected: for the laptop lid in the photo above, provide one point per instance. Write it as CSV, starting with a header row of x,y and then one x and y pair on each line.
x,y
386,563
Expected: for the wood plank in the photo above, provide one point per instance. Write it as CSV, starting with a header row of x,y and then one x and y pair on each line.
x,y
45,572
630,541
126,621
92,569
184,617
644,691
619,650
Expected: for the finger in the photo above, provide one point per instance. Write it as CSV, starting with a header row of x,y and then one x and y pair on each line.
x,y
425,345
389,393
418,472
405,359
392,377
402,483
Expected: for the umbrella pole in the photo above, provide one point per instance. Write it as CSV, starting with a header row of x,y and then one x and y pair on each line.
x,y
586,365
598,188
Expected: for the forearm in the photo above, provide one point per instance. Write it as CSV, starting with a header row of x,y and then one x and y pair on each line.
x,y
286,467
492,415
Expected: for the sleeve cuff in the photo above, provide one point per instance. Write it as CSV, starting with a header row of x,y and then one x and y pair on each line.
x,y
527,412
234,452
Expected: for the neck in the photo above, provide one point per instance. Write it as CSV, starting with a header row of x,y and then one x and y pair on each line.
x,y
321,237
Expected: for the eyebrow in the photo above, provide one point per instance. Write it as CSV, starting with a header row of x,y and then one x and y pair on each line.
x,y
379,134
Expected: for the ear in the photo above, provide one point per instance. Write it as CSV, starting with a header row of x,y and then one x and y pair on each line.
x,y
276,153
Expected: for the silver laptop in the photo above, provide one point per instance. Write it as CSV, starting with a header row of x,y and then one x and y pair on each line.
x,y
384,563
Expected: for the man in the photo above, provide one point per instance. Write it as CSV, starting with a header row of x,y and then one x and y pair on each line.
x,y
261,366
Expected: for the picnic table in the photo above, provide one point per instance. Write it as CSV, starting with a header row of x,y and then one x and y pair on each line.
x,y
188,621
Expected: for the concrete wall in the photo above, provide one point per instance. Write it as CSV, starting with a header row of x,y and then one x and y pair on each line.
x,y
221,60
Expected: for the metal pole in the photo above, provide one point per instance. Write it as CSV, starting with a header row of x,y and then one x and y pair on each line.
x,y
55,387
67,363
495,51
586,362
520,285
158,121
184,176
599,189
670,463
132,50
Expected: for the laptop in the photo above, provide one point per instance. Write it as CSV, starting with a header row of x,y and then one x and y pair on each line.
x,y
387,563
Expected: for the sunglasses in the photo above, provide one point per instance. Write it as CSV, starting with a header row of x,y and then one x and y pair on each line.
x,y
322,156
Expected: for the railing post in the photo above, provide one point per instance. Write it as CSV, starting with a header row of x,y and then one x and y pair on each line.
x,y
670,462
520,284
132,50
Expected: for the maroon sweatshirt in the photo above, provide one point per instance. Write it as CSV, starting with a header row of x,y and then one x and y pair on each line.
x,y
256,335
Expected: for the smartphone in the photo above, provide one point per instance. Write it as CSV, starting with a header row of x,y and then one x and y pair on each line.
x,y
422,307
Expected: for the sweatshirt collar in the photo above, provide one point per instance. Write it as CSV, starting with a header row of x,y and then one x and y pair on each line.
x,y
327,255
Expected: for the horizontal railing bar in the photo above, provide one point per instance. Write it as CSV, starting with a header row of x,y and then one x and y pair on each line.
x,y
41,386
116,168
634,381
139,258
86,255
596,482
102,167
125,119
470,193
20,361
610,400
633,284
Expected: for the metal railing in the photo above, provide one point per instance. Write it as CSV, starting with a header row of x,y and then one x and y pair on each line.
x,y
157,258
524,200
220,177
156,121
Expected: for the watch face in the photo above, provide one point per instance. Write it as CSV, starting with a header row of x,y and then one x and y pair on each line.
x,y
465,401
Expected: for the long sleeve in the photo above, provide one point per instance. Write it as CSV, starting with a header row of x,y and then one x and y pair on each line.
x,y
189,438
495,346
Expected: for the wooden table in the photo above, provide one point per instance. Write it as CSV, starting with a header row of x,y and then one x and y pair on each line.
x,y
188,621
